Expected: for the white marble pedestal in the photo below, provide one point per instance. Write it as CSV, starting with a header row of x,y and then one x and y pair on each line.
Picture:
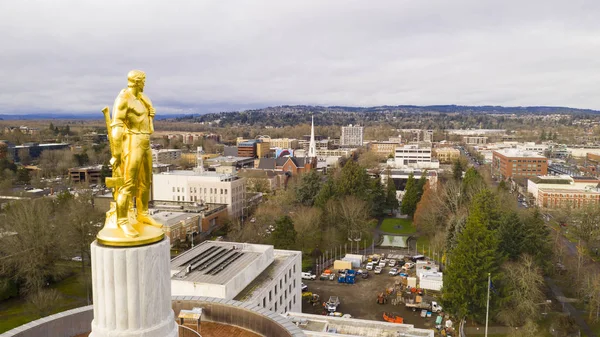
x,y
132,291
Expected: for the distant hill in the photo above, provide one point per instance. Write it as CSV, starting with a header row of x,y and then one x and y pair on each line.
x,y
290,110
287,115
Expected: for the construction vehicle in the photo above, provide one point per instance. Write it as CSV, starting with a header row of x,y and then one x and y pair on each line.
x,y
422,305
332,304
393,318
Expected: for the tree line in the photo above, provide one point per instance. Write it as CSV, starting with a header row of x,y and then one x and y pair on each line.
x,y
483,233
38,238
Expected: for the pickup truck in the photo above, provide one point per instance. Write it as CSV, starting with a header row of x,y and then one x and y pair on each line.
x,y
369,266
308,276
378,270
433,306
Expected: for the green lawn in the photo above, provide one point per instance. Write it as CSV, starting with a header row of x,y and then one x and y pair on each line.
x,y
406,226
17,311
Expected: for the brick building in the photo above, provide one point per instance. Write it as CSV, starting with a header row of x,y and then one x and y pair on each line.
x,y
513,163
563,191
90,174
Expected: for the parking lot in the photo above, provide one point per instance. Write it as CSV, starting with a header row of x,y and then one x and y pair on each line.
x,y
360,299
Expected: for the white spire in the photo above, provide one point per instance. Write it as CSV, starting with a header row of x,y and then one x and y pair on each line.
x,y
312,147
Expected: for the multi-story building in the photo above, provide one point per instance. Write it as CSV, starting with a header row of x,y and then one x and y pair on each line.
x,y
563,191
475,140
89,174
533,147
384,148
514,163
166,156
203,187
34,149
428,136
415,156
446,155
250,273
351,136
179,226
281,143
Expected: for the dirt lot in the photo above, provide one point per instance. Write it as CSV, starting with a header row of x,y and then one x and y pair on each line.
x,y
360,299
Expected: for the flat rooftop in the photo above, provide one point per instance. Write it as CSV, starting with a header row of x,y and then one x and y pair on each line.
x,y
169,218
516,153
214,262
281,260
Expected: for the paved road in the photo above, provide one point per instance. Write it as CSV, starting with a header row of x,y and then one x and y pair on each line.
x,y
568,307
558,294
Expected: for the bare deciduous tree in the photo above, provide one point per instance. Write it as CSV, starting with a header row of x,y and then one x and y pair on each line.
x,y
524,282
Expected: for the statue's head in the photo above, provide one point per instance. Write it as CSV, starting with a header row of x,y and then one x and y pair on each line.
x,y
136,78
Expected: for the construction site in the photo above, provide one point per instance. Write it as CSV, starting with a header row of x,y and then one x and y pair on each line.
x,y
390,295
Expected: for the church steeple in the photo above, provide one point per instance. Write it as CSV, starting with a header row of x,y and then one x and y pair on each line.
x,y
312,147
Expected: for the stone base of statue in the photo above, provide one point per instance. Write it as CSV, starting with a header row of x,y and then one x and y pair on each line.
x,y
132,291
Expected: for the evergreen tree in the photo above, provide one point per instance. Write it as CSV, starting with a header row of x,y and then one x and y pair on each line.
x,y
511,238
421,186
543,135
537,239
353,180
377,198
457,169
309,187
488,206
391,200
465,279
284,235
409,200
327,192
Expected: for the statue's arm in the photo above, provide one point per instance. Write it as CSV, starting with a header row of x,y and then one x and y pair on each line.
x,y
118,125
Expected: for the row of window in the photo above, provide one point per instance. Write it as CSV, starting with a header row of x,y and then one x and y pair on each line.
x,y
283,296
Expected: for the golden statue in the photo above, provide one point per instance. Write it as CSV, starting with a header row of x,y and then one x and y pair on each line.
x,y
129,136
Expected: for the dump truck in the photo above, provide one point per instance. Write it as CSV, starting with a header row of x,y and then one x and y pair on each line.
x,y
332,304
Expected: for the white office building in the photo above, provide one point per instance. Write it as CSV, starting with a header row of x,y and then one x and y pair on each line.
x,y
202,187
256,274
351,136
415,156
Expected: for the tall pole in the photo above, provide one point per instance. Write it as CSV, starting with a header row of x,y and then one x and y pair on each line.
x,y
487,310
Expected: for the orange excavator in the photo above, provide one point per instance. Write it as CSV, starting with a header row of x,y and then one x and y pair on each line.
x,y
393,318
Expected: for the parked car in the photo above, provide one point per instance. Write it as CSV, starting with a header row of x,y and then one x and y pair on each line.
x,y
369,266
308,276
304,287
392,263
77,258
408,265
378,270
365,275
359,272
394,271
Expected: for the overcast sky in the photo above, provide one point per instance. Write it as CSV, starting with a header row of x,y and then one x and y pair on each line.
x,y
205,55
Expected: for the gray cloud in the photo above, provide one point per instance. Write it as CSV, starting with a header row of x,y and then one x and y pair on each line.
x,y
209,55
